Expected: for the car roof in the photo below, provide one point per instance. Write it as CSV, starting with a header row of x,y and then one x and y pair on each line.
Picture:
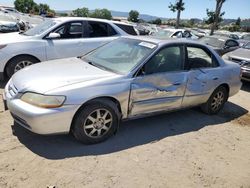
x,y
65,19
163,41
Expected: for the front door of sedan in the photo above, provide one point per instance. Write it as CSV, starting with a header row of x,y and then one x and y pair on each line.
x,y
203,76
69,44
160,84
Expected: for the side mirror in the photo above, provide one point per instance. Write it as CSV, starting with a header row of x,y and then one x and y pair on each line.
x,y
226,47
53,36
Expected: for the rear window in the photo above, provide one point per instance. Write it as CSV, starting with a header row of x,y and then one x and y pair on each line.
x,y
127,28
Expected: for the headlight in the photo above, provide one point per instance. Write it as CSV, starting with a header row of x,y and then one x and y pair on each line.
x,y
44,101
2,46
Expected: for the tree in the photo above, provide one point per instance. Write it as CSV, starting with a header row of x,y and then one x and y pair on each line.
x,y
238,22
24,6
178,6
157,21
101,13
81,12
133,16
217,15
211,18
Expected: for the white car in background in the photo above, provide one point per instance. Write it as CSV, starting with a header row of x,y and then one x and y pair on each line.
x,y
53,39
174,33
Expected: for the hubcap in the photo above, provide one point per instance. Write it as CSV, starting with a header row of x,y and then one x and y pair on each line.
x,y
217,101
98,123
22,64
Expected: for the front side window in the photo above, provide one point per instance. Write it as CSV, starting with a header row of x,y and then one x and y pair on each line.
x,y
199,58
70,30
168,59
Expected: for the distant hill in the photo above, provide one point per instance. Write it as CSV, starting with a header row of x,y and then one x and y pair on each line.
x,y
145,17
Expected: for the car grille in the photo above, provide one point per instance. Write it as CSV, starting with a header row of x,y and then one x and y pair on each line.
x,y
12,90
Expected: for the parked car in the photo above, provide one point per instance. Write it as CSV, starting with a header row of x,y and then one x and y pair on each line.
x,y
220,44
174,33
53,39
126,78
244,39
6,27
242,57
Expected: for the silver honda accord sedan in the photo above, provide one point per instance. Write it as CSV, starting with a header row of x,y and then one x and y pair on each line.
x,y
127,78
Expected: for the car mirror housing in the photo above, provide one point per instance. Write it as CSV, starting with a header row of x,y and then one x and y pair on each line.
x,y
53,36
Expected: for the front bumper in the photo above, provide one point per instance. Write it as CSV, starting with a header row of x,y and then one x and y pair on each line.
x,y
40,120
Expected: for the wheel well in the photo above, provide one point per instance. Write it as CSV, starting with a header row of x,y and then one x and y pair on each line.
x,y
98,98
226,86
22,55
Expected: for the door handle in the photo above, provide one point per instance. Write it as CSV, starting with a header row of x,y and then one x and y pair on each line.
x,y
215,78
177,83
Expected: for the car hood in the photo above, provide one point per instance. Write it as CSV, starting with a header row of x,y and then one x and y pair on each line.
x,y
46,76
7,38
240,53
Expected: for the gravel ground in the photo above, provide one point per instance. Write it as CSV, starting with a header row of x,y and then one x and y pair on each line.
x,y
181,149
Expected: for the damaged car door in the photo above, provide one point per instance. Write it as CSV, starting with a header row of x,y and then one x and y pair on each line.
x,y
160,84
204,74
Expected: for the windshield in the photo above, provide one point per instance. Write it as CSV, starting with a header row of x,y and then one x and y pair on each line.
x,y
39,29
246,46
163,33
215,42
120,55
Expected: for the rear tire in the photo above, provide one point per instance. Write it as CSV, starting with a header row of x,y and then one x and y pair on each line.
x,y
96,122
19,63
216,101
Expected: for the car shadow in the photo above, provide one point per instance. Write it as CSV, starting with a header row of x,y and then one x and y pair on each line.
x,y
131,133
245,86
2,84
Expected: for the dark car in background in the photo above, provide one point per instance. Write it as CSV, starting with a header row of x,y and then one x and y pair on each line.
x,y
220,44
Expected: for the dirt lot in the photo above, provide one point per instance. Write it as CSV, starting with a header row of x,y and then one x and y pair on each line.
x,y
181,149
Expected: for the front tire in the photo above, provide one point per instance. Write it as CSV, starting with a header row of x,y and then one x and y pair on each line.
x,y
96,122
216,101
19,63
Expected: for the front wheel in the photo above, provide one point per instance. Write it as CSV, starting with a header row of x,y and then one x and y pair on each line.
x,y
96,122
19,63
216,101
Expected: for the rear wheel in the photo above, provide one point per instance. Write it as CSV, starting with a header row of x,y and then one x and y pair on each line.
x,y
96,122
216,101
19,63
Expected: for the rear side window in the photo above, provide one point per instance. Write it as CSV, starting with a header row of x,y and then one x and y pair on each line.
x,y
200,58
127,28
99,29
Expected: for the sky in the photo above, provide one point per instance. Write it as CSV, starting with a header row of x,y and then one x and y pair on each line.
x,y
193,8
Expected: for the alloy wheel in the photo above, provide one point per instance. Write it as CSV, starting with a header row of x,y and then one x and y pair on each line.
x,y
21,65
98,123
217,100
